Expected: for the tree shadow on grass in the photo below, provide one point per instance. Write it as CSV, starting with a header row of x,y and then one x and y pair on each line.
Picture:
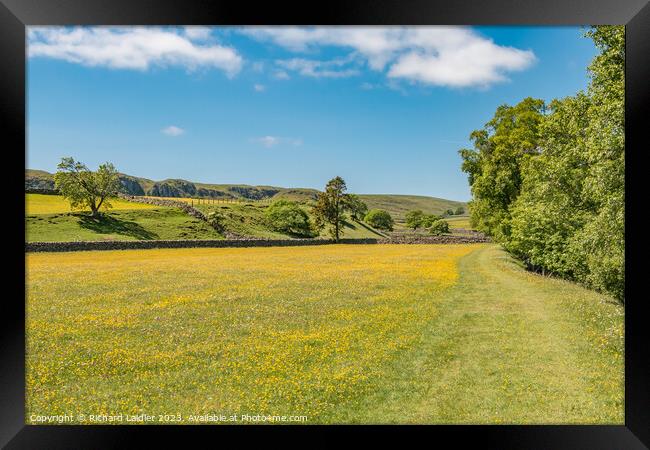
x,y
355,224
105,224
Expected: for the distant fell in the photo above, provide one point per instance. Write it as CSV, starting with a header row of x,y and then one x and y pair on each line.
x,y
396,205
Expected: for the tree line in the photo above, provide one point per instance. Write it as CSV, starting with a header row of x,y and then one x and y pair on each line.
x,y
548,179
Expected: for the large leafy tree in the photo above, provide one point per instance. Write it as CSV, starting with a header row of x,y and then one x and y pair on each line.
x,y
356,206
570,218
552,206
84,188
602,240
494,165
330,207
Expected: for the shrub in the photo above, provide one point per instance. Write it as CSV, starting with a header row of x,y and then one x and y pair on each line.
x,y
216,220
414,219
460,210
380,219
288,217
439,227
429,219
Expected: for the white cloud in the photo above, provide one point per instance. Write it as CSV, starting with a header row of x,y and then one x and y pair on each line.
x,y
272,141
135,48
440,55
375,43
336,68
198,33
259,87
472,62
172,130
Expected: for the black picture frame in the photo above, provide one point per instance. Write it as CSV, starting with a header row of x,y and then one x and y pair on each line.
x,y
15,15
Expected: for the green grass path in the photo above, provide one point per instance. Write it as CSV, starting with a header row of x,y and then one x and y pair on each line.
x,y
507,346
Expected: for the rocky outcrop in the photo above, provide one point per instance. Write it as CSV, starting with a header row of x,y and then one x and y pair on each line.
x,y
253,193
130,186
212,193
173,188
39,185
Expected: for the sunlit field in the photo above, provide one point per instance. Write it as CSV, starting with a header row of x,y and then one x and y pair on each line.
x,y
337,334
56,204
459,222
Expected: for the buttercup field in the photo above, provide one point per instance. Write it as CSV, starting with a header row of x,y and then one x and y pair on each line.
x,y
366,333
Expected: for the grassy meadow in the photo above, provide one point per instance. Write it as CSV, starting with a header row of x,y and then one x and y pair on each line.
x,y
124,225
49,219
338,333
55,204
459,222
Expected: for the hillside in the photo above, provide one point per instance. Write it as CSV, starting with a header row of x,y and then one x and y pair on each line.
x,y
38,180
49,218
396,205
399,205
131,185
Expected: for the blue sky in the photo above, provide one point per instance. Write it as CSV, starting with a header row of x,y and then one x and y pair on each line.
x,y
386,109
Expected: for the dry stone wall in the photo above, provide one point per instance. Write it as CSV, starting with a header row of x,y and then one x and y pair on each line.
x,y
213,243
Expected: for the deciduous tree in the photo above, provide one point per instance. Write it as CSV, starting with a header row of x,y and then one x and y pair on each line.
x,y
330,207
414,219
85,188
356,206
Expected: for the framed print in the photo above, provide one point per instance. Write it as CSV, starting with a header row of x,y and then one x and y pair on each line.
x,y
292,218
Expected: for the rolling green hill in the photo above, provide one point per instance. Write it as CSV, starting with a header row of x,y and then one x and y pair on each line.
x,y
399,205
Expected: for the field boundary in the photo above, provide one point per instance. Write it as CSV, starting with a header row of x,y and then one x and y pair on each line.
x,y
221,243
188,209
